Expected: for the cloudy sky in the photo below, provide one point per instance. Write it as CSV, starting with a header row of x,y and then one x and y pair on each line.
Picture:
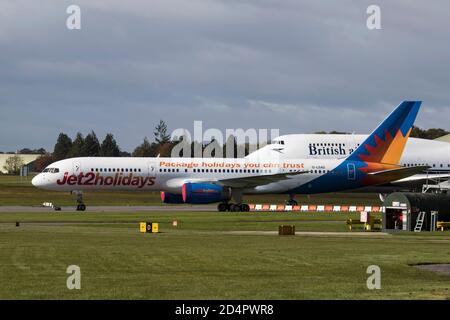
x,y
300,66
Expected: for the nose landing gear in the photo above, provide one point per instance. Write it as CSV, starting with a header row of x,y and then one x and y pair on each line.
x,y
80,204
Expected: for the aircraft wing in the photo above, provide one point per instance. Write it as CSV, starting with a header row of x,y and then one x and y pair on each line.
x,y
398,173
254,181
420,179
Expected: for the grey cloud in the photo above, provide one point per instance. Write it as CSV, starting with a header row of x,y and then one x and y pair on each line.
x,y
300,66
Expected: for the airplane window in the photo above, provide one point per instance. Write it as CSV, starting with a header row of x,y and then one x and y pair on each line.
x,y
101,170
92,169
160,170
185,170
442,165
434,165
203,170
178,170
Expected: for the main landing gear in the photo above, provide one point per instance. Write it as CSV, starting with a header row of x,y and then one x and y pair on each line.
x,y
233,207
291,201
80,205
236,194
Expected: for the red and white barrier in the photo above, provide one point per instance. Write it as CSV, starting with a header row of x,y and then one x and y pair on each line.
x,y
314,208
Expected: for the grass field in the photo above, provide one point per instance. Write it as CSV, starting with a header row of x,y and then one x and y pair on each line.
x,y
204,258
209,255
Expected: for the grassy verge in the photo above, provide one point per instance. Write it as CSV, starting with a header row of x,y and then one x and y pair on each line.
x,y
198,260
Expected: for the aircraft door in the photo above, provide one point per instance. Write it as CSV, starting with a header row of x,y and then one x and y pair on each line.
x,y
76,167
351,171
152,169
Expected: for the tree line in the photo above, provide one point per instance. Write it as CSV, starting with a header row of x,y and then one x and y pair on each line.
x,y
90,146
162,145
416,132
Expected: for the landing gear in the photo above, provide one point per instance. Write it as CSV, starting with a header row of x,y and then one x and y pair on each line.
x,y
291,201
80,205
222,207
236,194
233,207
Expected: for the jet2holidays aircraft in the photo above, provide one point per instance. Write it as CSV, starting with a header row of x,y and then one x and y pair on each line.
x,y
219,180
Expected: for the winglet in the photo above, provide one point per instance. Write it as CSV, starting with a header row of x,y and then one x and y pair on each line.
x,y
387,142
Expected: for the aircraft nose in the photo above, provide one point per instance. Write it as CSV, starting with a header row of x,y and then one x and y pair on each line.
x,y
36,181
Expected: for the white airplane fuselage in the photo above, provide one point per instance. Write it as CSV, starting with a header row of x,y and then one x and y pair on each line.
x,y
288,154
169,174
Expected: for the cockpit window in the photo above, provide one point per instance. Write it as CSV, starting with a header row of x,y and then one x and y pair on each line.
x,y
51,170
277,142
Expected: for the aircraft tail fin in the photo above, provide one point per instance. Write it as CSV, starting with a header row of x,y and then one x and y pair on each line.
x,y
387,142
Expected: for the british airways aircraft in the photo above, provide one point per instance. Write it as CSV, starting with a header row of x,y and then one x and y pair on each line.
x,y
219,180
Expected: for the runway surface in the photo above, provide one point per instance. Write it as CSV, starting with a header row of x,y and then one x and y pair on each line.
x,y
196,208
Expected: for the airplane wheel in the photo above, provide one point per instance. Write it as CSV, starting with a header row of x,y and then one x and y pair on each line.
x,y
222,207
81,207
245,207
235,208
292,202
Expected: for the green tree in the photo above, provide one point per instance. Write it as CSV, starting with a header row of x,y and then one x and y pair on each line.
x,y
43,161
145,149
432,133
13,164
77,149
91,147
109,147
435,133
63,147
161,136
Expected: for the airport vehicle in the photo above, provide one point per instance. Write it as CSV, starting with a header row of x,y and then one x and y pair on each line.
x,y
211,180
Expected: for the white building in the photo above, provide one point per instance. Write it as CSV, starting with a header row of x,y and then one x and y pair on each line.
x,y
26,158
